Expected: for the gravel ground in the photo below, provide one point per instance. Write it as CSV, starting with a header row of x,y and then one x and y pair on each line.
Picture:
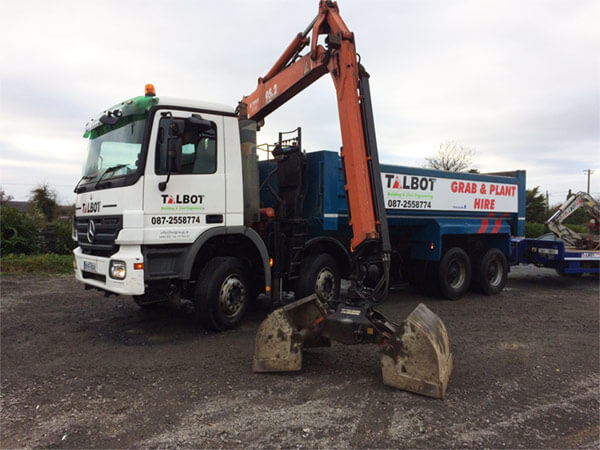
x,y
79,370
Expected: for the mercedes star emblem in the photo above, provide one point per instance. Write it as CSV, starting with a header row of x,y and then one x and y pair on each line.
x,y
91,231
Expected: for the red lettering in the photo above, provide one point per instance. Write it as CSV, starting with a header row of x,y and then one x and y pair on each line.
x,y
506,191
484,203
453,186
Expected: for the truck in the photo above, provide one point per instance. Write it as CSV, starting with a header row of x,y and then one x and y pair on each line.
x,y
168,207
449,232
569,253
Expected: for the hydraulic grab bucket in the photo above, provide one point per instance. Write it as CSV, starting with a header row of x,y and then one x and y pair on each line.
x,y
417,358
283,334
415,355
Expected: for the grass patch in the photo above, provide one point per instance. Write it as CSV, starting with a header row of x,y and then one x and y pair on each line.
x,y
46,264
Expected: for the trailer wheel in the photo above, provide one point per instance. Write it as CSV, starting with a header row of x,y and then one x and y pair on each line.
x,y
454,273
492,270
319,275
222,293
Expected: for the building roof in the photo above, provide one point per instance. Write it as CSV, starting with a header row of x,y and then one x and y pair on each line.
x,y
20,206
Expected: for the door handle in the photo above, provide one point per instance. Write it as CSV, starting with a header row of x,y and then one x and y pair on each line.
x,y
214,218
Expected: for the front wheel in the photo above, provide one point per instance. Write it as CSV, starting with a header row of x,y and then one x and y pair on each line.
x,y
222,293
492,270
319,275
454,273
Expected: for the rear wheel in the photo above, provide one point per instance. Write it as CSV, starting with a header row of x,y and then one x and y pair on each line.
x,y
319,275
492,270
222,293
454,273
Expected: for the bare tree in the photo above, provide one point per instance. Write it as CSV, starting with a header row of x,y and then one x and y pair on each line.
x,y
453,157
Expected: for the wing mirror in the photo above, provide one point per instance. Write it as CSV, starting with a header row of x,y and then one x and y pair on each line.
x,y
174,143
174,154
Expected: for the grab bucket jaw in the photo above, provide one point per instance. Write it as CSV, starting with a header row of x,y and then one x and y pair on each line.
x,y
417,357
285,332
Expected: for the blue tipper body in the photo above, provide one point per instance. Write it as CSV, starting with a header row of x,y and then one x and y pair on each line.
x,y
326,210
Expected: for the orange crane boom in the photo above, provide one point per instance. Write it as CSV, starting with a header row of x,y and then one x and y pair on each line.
x,y
292,73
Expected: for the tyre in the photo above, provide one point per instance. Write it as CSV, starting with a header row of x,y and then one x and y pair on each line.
x,y
319,275
491,272
222,293
454,274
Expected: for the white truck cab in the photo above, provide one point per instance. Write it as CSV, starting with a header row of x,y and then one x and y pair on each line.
x,y
162,178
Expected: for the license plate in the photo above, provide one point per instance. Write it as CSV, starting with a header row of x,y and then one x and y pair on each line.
x,y
89,266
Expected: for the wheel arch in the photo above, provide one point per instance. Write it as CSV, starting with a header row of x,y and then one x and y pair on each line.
x,y
247,241
332,246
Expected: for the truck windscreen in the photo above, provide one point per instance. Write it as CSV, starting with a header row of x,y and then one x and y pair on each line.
x,y
111,146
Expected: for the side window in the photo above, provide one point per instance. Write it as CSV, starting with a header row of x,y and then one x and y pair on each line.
x,y
199,149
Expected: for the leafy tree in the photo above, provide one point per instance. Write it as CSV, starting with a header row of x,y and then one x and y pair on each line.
x,y
534,229
44,200
20,233
4,198
453,157
535,205
64,242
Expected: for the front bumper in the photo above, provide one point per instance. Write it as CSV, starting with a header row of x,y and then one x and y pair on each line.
x,y
94,270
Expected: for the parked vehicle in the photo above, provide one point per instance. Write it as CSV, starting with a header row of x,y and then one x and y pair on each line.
x,y
569,253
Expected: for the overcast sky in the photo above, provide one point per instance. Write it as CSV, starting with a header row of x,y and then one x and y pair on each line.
x,y
519,81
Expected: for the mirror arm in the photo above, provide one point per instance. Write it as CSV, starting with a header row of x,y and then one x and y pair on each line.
x,y
163,184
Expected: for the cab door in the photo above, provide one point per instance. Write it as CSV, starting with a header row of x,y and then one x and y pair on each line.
x,y
193,196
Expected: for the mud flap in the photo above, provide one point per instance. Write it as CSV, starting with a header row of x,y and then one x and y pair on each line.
x,y
417,357
285,332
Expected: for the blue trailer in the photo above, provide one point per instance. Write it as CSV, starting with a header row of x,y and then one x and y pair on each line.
x,y
569,253
449,231
553,253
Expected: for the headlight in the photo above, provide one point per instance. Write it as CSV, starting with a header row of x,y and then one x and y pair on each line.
x,y
118,270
